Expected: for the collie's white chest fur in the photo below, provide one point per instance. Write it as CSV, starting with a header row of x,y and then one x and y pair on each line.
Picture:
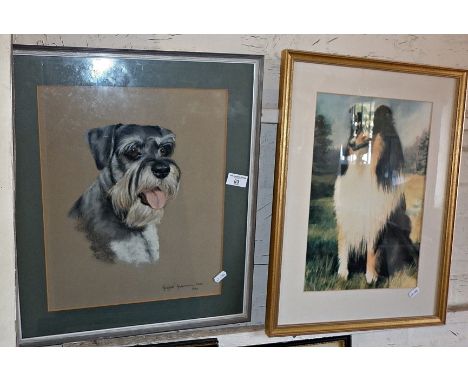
x,y
361,207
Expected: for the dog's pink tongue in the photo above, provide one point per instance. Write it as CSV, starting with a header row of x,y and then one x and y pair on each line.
x,y
156,199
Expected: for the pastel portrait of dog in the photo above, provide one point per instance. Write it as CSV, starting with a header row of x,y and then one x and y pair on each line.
x,y
367,193
120,211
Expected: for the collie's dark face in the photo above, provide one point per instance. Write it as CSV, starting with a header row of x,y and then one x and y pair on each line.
x,y
361,134
374,141
360,138
367,125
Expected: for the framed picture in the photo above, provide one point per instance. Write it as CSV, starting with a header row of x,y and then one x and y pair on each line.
x,y
365,189
338,341
126,219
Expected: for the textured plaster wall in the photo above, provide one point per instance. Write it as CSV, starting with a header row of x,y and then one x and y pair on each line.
x,y
7,253
440,50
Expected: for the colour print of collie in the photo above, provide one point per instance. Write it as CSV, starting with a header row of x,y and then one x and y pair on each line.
x,y
367,192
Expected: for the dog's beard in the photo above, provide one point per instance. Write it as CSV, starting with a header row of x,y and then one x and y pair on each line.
x,y
141,201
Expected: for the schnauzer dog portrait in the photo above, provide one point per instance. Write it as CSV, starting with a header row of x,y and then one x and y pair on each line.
x,y
120,211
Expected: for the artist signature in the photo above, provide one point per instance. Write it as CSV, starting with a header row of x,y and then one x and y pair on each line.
x,y
178,286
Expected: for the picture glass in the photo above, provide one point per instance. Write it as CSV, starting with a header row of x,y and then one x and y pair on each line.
x,y
123,215
373,150
365,192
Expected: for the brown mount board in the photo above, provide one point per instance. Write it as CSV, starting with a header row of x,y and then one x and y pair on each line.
x,y
198,117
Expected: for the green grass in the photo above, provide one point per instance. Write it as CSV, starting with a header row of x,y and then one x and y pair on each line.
x,y
322,246
322,256
322,186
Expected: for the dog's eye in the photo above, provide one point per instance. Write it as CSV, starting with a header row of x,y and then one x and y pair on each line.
x,y
133,153
165,150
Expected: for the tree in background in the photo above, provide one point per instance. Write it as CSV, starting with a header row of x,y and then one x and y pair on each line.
x,y
322,146
416,155
423,149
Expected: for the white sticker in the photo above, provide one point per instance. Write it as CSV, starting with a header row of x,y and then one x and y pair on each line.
x,y
219,276
413,292
237,180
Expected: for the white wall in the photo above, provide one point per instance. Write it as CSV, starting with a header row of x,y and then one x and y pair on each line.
x,y
450,50
7,253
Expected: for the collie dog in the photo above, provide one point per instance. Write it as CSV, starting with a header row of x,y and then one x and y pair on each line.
x,y
369,200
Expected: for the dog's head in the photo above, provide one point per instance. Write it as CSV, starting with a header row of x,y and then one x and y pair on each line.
x,y
136,162
362,124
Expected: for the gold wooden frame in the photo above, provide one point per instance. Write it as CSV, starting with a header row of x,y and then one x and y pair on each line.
x,y
289,58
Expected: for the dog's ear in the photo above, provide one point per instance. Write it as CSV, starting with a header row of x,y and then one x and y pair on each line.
x,y
101,143
383,115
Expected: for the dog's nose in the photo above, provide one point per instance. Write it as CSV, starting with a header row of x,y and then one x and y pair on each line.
x,y
160,170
